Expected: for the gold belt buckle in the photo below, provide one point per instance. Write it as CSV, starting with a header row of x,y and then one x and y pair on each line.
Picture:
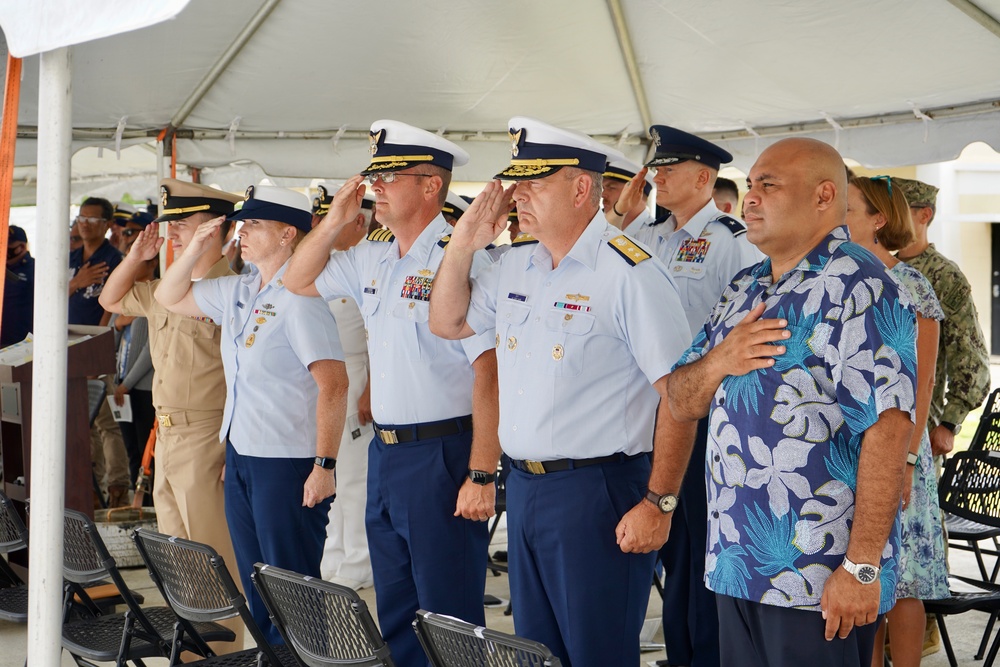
x,y
388,437
164,421
535,467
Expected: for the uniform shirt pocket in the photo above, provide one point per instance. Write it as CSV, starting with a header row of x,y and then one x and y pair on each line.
x,y
416,314
511,317
566,340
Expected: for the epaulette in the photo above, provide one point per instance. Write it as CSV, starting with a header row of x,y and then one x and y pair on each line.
x,y
523,239
733,225
383,235
661,216
629,251
443,241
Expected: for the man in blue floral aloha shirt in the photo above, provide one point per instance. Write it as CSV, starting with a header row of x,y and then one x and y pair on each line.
x,y
806,370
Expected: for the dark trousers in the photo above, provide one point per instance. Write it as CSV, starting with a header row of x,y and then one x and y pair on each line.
x,y
690,619
423,557
762,635
268,523
136,433
571,586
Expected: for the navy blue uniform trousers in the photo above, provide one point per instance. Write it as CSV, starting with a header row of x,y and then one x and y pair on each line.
x,y
762,635
268,523
423,557
571,586
690,618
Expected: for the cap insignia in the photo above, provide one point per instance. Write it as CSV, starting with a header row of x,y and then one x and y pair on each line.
x,y
164,193
515,139
249,193
374,138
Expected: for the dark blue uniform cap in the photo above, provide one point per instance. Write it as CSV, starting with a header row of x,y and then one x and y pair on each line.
x,y
141,218
673,146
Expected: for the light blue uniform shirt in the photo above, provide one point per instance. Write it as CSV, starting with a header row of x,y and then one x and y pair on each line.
x,y
579,346
416,376
642,228
702,258
269,338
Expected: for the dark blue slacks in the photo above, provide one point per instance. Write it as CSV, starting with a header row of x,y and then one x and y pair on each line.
x,y
571,586
268,523
422,555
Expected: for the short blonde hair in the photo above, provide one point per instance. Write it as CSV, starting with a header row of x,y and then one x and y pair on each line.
x,y
881,197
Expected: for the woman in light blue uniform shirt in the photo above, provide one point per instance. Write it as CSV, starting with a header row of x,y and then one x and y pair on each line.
x,y
286,389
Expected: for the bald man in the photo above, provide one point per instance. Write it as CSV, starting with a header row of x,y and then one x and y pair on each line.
x,y
806,371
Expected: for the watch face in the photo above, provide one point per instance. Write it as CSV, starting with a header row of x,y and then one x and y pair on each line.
x,y
668,503
866,574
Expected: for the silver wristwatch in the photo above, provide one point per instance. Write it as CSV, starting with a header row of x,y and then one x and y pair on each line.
x,y
865,573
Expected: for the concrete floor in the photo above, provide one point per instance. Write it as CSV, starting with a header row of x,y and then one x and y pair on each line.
x,y
965,630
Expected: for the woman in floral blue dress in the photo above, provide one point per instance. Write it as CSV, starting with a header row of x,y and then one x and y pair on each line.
x,y
879,220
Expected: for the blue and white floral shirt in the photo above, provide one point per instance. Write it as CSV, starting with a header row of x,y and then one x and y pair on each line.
x,y
784,442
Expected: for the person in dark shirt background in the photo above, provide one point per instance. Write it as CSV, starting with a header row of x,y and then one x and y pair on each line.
x,y
18,289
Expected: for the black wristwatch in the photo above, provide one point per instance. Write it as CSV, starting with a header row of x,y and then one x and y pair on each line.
x,y
666,503
481,477
954,428
325,462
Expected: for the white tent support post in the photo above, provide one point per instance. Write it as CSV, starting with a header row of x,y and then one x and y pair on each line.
x,y
223,62
628,55
973,11
48,430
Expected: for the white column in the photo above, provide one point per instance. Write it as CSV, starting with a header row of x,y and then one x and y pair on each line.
x,y
48,423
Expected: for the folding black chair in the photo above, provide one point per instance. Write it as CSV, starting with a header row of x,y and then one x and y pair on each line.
x,y
970,489
139,632
324,624
965,534
13,591
449,642
195,582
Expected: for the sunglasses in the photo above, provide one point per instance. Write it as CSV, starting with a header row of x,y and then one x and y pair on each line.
x,y
89,221
129,233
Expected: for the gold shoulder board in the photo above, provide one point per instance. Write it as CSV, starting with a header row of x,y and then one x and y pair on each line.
x,y
629,251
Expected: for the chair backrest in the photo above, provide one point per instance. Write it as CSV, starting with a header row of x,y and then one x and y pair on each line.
x,y
987,435
195,582
86,559
13,534
970,486
85,556
449,642
325,624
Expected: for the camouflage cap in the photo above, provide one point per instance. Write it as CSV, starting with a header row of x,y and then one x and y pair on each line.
x,y
917,193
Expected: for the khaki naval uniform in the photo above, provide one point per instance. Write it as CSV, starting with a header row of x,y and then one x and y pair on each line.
x,y
189,394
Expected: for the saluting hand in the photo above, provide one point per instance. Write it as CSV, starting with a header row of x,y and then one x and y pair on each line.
x,y
346,203
486,217
630,196
320,485
206,231
147,244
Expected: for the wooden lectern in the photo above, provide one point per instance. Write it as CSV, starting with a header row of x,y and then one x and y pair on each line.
x,y
91,352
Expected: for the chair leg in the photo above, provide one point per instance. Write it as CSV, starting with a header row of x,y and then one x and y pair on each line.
x,y
984,642
993,652
946,640
979,559
996,561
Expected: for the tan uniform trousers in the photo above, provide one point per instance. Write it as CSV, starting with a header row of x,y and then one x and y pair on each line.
x,y
188,491
107,449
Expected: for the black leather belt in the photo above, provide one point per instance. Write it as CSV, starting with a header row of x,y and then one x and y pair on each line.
x,y
559,465
396,435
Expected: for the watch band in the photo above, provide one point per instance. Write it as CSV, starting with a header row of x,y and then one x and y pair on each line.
x,y
482,477
325,462
954,428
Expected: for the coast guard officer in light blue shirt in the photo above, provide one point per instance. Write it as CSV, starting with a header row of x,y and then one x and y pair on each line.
x,y
430,482
286,389
587,326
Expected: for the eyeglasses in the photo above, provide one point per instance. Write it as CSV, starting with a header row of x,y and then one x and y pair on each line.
x,y
129,233
887,179
389,177
89,221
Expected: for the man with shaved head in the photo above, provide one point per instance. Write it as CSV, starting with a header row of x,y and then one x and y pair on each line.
x,y
806,370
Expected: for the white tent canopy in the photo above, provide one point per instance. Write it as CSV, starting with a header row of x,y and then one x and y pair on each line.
x,y
293,86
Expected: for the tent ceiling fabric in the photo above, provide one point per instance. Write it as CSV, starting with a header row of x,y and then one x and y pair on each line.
x,y
714,68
